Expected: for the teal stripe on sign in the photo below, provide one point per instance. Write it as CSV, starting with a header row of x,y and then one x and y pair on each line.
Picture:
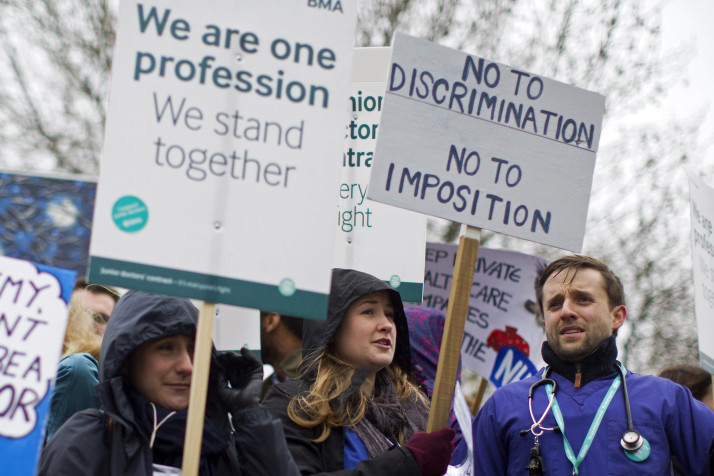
x,y
411,292
206,287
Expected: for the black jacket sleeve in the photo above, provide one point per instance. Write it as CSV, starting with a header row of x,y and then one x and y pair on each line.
x,y
79,447
327,458
260,443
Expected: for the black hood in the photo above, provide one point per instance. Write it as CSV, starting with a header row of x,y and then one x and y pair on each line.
x,y
139,317
348,285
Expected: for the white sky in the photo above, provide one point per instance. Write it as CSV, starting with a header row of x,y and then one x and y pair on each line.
x,y
690,22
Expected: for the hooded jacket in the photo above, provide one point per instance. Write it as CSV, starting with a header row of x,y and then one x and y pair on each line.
x,y
110,441
328,457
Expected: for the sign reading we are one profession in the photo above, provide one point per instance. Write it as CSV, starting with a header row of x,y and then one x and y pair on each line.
x,y
485,144
218,173
385,241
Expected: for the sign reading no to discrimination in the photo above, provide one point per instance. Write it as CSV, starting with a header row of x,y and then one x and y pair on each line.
x,y
218,172
487,145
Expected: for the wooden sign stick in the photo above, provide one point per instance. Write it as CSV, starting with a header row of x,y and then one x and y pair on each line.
x,y
479,396
450,352
199,390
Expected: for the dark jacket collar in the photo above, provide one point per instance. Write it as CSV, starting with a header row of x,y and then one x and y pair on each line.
x,y
600,363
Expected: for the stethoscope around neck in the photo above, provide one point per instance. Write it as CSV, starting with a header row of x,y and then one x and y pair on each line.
x,y
631,441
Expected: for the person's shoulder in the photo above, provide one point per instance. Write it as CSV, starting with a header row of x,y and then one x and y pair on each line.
x,y
279,395
289,388
81,438
80,360
635,379
517,387
86,420
658,389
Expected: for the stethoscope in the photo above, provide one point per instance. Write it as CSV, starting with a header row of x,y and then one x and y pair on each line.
x,y
633,443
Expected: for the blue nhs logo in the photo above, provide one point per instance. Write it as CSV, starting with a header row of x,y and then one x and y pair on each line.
x,y
511,365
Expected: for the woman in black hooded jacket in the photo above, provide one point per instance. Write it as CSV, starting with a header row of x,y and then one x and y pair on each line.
x,y
355,410
145,375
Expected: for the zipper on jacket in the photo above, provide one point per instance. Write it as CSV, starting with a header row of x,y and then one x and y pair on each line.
x,y
578,376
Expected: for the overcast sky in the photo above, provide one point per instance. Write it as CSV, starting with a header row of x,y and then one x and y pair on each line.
x,y
685,22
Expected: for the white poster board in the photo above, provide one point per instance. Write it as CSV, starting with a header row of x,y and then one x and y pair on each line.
x,y
33,320
487,145
504,332
385,241
218,172
236,327
701,197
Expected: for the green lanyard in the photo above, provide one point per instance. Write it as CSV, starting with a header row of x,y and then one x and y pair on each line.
x,y
593,426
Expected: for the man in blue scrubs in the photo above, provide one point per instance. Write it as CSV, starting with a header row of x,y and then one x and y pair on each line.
x,y
586,428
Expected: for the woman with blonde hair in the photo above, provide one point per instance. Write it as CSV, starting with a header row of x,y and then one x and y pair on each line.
x,y
77,371
355,406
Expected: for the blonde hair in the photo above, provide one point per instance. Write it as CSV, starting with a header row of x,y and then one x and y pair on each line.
x,y
333,379
80,335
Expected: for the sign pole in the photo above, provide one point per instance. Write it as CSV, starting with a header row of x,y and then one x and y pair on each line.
x,y
199,390
479,396
450,352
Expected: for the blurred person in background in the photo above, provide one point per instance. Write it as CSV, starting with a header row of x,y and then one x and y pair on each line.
x,y
98,299
426,330
695,378
280,347
699,382
78,369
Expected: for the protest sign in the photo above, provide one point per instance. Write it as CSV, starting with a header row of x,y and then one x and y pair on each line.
x,y
47,219
218,171
504,330
701,197
487,145
236,327
33,319
385,241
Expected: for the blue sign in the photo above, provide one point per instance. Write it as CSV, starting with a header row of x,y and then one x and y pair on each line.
x,y
511,365
46,220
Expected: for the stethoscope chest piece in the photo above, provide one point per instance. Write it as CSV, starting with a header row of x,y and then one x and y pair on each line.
x,y
636,447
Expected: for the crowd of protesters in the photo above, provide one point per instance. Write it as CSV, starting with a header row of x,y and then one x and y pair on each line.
x,y
351,395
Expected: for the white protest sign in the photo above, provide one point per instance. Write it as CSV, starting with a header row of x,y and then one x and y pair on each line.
x,y
236,327
463,417
385,241
701,197
218,173
486,145
503,333
33,320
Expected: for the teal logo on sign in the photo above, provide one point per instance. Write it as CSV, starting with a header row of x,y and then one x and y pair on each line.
x,y
287,287
130,214
395,281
